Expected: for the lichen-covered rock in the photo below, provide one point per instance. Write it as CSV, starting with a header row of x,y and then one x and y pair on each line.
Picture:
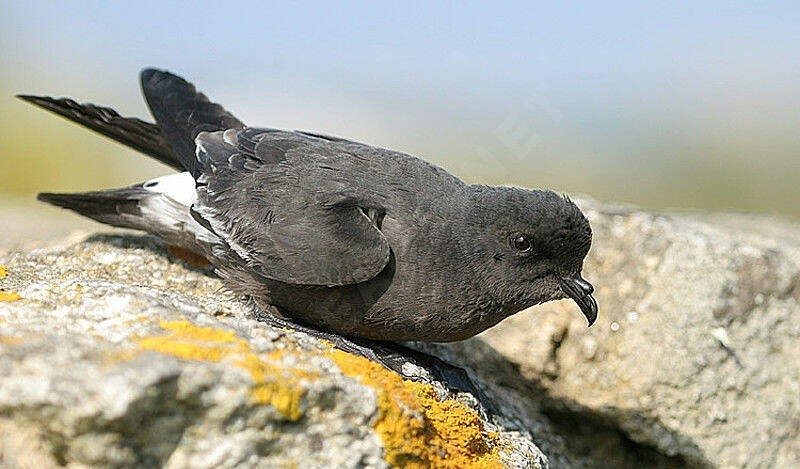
x,y
113,353
696,351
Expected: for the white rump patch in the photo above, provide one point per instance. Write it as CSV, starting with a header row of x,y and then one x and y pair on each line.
x,y
179,187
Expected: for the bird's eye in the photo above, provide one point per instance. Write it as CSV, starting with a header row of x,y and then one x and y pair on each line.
x,y
521,243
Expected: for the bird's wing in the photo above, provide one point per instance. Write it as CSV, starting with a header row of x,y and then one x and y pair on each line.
x,y
135,133
251,195
182,113
330,138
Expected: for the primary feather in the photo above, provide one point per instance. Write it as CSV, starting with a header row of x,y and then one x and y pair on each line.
x,y
135,133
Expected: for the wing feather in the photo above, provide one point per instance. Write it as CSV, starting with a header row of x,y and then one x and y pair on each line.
x,y
322,236
183,113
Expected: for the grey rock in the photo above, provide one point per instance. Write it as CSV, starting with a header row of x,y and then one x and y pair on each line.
x,y
696,352
120,355
694,360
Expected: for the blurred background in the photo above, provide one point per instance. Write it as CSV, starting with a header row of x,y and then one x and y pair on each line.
x,y
663,105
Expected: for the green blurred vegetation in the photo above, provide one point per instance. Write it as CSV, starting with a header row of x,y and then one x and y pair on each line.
x,y
43,152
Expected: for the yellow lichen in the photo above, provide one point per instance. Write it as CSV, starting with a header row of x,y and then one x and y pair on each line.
x,y
187,330
9,296
4,295
418,429
272,384
10,340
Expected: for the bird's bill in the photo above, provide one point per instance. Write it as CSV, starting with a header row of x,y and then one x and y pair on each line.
x,y
581,291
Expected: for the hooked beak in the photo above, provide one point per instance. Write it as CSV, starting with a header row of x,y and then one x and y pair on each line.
x,y
581,291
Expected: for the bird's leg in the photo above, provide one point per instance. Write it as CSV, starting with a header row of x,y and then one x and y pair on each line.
x,y
390,355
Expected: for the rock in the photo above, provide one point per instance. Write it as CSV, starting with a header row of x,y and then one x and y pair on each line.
x,y
114,353
696,352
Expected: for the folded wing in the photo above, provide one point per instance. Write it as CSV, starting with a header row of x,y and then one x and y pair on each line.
x,y
247,196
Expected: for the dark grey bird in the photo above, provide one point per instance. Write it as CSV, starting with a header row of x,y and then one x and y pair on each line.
x,y
336,234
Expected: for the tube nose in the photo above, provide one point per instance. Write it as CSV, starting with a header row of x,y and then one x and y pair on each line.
x,y
577,288
585,286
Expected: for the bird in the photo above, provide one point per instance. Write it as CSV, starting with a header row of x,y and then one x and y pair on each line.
x,y
339,235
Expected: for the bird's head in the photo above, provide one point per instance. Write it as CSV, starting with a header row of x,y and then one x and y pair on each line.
x,y
528,247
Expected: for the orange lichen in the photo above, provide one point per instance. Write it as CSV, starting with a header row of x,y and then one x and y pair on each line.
x,y
4,295
418,429
9,296
272,384
10,340
283,394
190,257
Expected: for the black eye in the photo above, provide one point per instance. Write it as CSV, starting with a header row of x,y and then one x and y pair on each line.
x,y
521,243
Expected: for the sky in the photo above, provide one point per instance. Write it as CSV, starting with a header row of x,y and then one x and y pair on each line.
x,y
660,104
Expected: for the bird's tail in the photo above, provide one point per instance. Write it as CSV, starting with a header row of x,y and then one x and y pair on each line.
x,y
161,206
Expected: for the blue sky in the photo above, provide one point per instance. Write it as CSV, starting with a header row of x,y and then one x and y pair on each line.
x,y
497,47
621,100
